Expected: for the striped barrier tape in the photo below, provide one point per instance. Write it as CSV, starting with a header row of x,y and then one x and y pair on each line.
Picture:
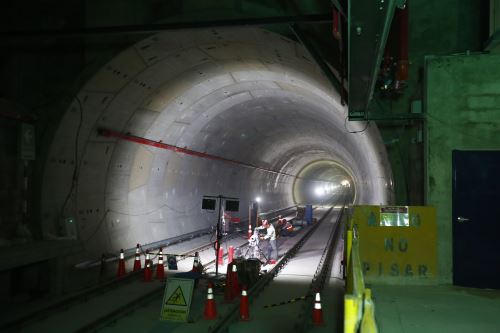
x,y
293,300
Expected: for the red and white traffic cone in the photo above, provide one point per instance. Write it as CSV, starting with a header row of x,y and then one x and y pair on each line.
x,y
235,284
160,268
148,272
137,261
197,267
232,289
228,290
221,256
317,315
230,254
249,230
210,311
244,308
121,265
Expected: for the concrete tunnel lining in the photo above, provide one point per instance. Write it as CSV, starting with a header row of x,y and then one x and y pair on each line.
x,y
200,89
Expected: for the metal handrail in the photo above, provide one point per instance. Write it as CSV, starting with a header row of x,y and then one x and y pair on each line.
x,y
359,313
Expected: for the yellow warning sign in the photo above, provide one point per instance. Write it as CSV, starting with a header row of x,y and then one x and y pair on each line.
x,y
177,298
402,249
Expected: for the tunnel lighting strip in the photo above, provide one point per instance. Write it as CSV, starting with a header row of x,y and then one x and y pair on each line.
x,y
159,144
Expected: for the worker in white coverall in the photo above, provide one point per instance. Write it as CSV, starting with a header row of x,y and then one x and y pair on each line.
x,y
272,249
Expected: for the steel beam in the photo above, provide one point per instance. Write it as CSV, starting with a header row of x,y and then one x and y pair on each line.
x,y
157,27
369,23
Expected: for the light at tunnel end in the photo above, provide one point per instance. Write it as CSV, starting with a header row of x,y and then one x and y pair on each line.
x,y
322,182
242,93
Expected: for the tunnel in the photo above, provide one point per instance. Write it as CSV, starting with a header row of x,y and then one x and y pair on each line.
x,y
242,94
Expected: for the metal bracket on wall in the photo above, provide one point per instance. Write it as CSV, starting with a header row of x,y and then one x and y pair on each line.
x,y
369,23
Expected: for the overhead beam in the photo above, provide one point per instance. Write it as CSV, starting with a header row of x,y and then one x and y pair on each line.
x,y
369,23
158,27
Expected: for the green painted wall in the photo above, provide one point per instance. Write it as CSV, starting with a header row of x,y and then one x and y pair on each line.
x,y
462,108
435,28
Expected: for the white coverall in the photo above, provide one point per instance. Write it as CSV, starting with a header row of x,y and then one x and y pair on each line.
x,y
272,249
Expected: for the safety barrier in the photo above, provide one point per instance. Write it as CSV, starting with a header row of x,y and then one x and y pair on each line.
x,y
359,309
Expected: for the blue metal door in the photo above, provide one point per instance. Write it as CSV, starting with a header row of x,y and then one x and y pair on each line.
x,y
476,218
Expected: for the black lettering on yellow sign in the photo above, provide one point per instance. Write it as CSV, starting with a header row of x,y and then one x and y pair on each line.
x,y
389,245
406,270
177,298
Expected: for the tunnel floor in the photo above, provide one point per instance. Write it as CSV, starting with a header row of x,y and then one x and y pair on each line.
x,y
291,282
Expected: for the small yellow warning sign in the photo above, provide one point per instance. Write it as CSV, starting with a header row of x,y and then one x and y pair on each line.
x,y
177,298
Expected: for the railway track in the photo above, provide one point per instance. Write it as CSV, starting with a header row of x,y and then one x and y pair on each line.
x,y
84,296
31,319
229,313
262,291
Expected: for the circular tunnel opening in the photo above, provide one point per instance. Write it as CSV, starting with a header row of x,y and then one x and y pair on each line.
x,y
241,94
322,183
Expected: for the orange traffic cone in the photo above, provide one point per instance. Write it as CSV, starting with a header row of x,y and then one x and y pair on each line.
x,y
232,289
230,254
121,265
137,261
160,269
197,267
317,315
221,256
235,284
148,273
244,308
228,294
210,311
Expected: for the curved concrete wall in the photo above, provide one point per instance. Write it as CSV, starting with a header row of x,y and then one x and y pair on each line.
x,y
241,93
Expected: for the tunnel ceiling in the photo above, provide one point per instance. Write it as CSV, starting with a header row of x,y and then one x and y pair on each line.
x,y
242,93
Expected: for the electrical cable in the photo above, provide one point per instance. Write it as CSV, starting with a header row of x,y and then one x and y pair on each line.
x,y
99,225
74,178
352,132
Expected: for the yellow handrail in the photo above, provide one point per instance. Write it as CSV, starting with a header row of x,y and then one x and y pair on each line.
x,y
359,312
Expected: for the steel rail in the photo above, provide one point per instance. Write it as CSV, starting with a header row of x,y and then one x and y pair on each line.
x,y
107,286
222,325
84,295
131,306
319,278
130,252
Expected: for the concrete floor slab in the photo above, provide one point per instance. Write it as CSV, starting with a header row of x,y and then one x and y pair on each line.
x,y
412,309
